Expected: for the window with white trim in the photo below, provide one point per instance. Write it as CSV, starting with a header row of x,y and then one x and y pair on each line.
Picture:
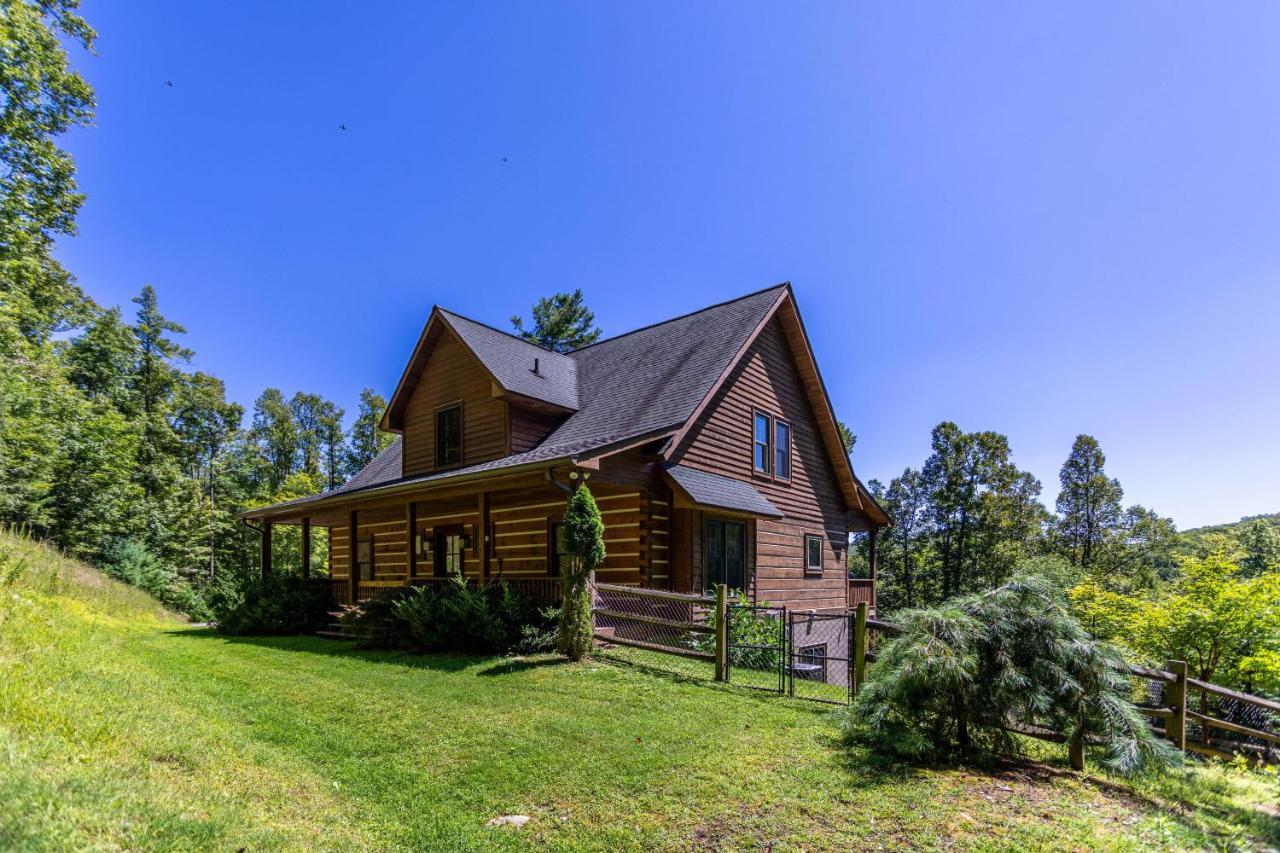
x,y
813,556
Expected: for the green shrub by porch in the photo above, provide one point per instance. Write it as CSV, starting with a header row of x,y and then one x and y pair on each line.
x,y
582,534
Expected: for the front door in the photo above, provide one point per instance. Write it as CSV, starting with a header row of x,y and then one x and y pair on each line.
x,y
448,551
725,554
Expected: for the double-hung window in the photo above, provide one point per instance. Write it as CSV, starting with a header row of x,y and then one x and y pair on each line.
x,y
770,446
763,453
782,450
449,436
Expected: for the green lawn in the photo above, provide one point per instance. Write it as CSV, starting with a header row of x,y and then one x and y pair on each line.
x,y
121,727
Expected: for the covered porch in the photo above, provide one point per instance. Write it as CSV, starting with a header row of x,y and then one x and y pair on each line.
x,y
501,527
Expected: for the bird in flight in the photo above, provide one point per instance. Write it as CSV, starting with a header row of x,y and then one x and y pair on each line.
x,y
169,83
504,159
342,127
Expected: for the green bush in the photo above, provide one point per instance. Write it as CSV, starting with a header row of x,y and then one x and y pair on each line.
x,y
960,674
748,626
455,617
130,561
280,603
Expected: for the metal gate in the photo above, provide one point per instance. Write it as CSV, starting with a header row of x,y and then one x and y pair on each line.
x,y
757,647
820,657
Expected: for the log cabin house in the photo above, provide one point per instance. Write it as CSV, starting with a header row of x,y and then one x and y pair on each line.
x,y
708,441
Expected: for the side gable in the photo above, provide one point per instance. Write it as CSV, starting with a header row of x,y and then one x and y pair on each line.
x,y
719,440
777,373
519,371
451,374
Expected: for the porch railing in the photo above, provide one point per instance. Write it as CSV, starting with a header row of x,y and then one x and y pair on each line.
x,y
862,591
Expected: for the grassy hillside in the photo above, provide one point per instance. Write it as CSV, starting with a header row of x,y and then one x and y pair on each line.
x,y
122,726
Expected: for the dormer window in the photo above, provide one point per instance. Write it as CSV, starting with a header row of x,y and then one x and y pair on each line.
x,y
449,436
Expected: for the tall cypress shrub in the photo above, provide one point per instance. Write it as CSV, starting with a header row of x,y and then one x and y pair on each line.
x,y
583,538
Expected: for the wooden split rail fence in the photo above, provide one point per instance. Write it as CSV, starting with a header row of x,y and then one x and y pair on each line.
x,y
1175,686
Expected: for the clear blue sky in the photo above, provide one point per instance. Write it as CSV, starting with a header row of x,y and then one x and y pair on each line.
x,y
1037,218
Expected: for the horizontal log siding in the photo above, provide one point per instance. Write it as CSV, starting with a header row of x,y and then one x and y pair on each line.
x,y
390,546
450,515
527,428
452,374
339,561
721,442
522,527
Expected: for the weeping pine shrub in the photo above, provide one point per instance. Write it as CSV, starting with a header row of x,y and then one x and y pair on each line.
x,y
962,673
583,538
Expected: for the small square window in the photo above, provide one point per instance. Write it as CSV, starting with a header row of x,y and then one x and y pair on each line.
x,y
813,556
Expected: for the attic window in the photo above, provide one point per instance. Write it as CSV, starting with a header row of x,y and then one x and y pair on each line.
x,y
449,436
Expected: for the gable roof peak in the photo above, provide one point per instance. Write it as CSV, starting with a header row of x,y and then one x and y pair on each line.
x,y
786,285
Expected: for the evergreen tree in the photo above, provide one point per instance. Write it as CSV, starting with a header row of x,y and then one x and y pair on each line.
x,y
583,535
561,323
847,438
367,438
1089,504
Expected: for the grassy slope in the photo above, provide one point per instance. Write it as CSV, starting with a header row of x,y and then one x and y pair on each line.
x,y
121,726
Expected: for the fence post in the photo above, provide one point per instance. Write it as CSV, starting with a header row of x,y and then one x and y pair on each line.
x,y
859,645
722,632
1176,699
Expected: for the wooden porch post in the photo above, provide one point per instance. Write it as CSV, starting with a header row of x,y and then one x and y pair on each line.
x,y
353,542
306,546
411,514
871,559
482,535
266,548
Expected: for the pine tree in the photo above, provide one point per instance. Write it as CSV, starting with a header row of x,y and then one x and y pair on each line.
x,y
561,323
1089,505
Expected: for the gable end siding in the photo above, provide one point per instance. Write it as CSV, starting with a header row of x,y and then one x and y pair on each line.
x,y
721,442
452,374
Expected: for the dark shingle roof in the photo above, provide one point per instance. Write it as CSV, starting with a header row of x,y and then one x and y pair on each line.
x,y
722,492
511,359
628,387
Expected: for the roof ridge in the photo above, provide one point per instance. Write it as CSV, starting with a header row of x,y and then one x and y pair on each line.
x,y
682,316
484,325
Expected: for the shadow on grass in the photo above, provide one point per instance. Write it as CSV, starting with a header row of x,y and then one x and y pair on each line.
x,y
306,644
511,666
